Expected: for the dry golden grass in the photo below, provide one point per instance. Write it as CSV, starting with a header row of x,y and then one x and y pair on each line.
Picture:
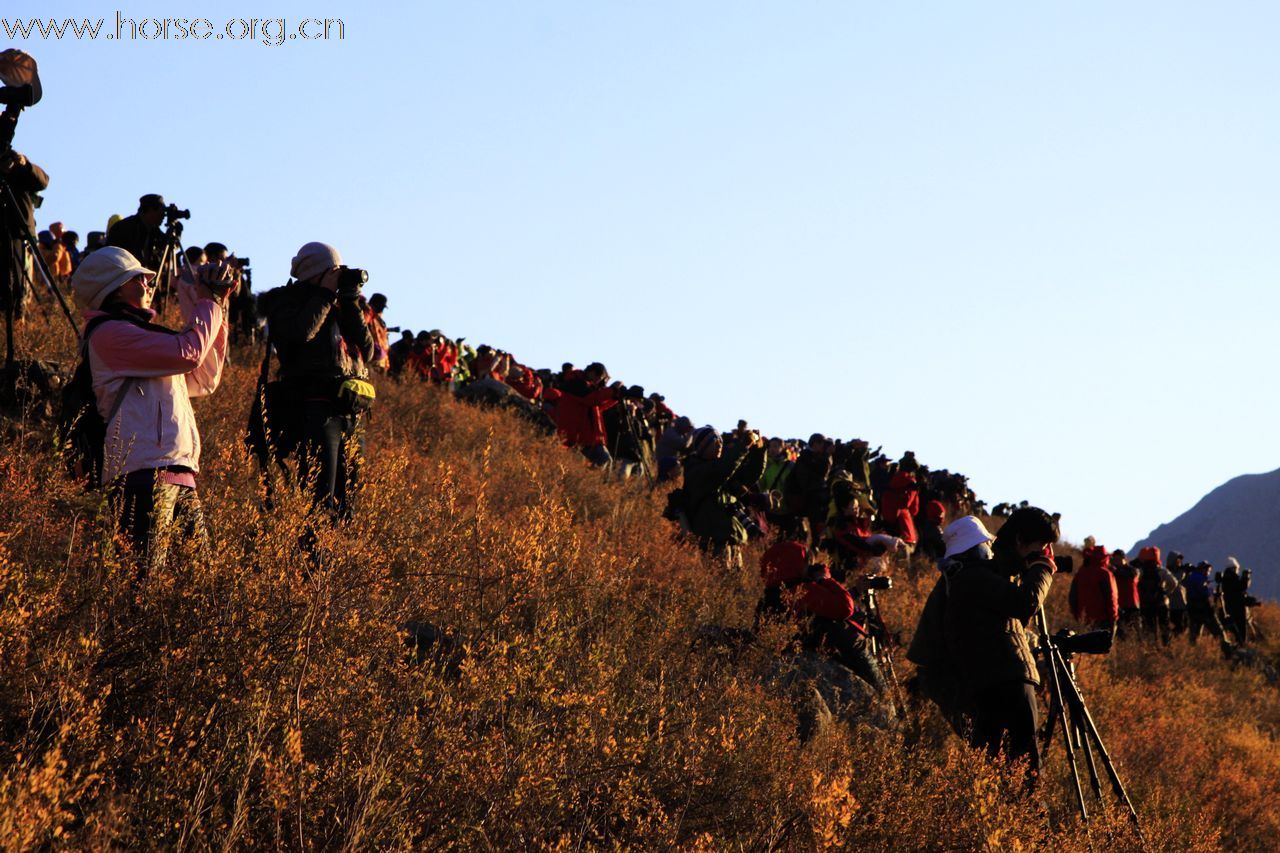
x,y
242,702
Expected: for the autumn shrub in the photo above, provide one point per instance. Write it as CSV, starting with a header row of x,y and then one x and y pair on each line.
x,y
260,696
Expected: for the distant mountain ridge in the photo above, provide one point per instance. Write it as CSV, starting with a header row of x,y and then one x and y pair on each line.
x,y
1240,518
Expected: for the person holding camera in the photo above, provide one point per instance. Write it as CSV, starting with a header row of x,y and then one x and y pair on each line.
x,y
1234,585
713,482
1200,612
579,406
144,377
323,341
140,234
988,607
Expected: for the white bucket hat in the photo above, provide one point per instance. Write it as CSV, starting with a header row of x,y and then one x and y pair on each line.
x,y
963,534
313,259
103,273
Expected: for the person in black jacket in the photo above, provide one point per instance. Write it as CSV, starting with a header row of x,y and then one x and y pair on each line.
x,y
324,343
140,234
988,608
26,179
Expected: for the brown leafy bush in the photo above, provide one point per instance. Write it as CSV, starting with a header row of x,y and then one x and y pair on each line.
x,y
249,699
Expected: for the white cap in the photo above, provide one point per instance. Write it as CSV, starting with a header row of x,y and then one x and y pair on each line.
x,y
103,273
314,259
963,534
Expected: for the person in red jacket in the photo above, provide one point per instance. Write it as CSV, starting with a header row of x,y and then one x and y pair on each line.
x,y
782,567
443,356
525,382
1094,596
580,402
901,501
1126,577
830,625
822,606
849,536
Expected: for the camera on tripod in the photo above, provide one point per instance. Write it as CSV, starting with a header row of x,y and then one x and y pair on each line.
x,y
173,213
1089,643
877,582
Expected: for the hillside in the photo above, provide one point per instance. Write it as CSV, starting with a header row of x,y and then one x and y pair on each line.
x,y
1237,519
245,701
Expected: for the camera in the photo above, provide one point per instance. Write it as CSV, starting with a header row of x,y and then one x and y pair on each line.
x,y
350,280
173,214
1064,565
1089,643
879,582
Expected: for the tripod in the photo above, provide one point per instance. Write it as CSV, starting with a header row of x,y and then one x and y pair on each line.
x,y
1067,707
172,259
878,635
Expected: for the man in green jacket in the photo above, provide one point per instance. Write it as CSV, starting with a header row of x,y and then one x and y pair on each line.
x,y
712,483
988,608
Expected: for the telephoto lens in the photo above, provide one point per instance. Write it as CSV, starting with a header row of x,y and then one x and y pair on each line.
x,y
350,280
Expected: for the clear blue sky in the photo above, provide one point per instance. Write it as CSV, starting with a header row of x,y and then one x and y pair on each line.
x,y
1037,245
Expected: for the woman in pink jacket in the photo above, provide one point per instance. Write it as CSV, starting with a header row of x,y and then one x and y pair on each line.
x,y
144,377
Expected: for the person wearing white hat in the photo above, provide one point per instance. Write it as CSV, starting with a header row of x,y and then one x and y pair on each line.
x,y
144,377
937,667
989,603
966,533
324,344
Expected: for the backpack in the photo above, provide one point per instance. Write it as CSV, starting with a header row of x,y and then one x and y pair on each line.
x,y
82,431
1151,587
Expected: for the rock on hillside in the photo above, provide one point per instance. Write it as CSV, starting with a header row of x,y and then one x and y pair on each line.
x,y
1240,518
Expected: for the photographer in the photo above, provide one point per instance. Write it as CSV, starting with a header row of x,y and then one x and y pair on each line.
x,y
26,179
140,234
144,377
987,611
1200,612
1155,584
1094,597
323,341
712,482
937,664
378,326
1234,585
580,403
823,607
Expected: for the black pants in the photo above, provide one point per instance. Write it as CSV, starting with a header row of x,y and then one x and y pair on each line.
x,y
151,515
1238,621
1155,621
847,646
1005,717
330,456
1201,617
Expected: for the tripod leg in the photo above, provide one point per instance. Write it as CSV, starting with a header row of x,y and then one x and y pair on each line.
x,y
1094,781
1058,669
1055,711
10,203
1118,786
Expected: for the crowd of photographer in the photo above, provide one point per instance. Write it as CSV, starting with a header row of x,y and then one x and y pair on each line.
x,y
828,512
1150,599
